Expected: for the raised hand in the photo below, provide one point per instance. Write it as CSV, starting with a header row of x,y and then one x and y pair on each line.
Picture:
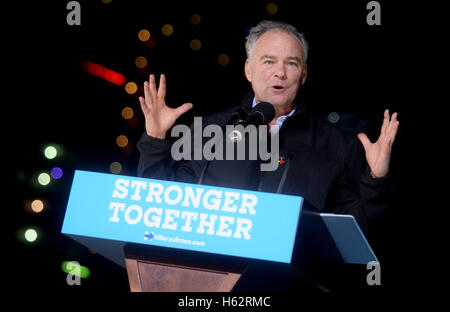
x,y
378,154
159,118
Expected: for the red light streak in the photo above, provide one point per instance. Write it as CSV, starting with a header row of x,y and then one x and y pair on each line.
x,y
103,72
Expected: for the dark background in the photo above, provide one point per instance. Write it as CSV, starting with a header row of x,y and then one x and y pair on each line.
x,y
353,69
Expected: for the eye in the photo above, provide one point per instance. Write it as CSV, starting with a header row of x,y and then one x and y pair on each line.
x,y
293,64
268,62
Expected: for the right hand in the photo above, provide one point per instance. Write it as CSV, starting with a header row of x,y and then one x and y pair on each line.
x,y
159,118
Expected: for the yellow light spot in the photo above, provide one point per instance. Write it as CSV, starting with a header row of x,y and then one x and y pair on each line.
x,y
167,29
115,167
122,141
195,44
131,87
195,19
140,62
37,205
144,35
106,1
223,59
127,113
272,8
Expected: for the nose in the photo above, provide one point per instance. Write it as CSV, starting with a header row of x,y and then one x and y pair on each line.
x,y
280,72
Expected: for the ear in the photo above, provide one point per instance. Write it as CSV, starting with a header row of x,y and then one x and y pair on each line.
x,y
248,71
304,74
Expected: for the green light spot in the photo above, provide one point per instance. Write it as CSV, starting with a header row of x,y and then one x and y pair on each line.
x,y
50,152
72,267
44,179
30,235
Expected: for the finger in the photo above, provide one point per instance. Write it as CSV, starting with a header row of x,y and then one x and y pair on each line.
x,y
143,105
385,123
392,123
183,109
389,136
394,117
162,87
393,128
152,88
364,140
148,98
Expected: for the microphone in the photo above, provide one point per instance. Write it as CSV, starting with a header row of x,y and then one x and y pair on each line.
x,y
261,114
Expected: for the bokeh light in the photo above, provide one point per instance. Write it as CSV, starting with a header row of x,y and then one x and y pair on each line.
x,y
37,205
127,113
30,235
150,44
195,19
195,44
223,59
144,35
131,87
333,117
271,8
44,178
72,267
115,167
50,152
140,62
106,1
56,173
167,30
122,141
103,73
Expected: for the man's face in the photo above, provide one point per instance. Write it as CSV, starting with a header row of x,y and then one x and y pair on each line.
x,y
277,69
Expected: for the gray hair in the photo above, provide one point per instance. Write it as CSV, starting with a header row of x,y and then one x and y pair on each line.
x,y
264,26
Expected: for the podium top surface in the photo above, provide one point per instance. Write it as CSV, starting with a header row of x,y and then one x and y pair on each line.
x,y
349,238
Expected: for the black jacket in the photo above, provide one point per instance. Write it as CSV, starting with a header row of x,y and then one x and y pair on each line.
x,y
320,163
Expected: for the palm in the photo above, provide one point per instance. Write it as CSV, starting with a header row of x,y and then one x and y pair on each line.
x,y
162,118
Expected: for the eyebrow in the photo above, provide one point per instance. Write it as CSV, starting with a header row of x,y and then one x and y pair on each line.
x,y
291,58
294,58
267,56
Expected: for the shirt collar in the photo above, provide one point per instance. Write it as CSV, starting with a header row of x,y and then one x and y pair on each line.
x,y
280,119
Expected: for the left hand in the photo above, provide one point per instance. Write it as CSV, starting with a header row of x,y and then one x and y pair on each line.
x,y
378,154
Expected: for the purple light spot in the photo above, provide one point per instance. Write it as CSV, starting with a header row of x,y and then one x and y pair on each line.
x,y
56,173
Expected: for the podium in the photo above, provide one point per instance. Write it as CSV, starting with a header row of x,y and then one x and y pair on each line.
x,y
174,236
158,269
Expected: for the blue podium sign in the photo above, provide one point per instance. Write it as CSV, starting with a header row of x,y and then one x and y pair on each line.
x,y
180,215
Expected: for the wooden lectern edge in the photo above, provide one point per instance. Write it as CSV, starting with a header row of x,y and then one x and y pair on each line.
x,y
154,268
201,279
229,282
134,278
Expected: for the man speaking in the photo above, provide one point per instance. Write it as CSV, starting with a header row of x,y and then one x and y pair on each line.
x,y
333,171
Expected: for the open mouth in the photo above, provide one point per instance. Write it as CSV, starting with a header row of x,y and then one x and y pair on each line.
x,y
278,88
